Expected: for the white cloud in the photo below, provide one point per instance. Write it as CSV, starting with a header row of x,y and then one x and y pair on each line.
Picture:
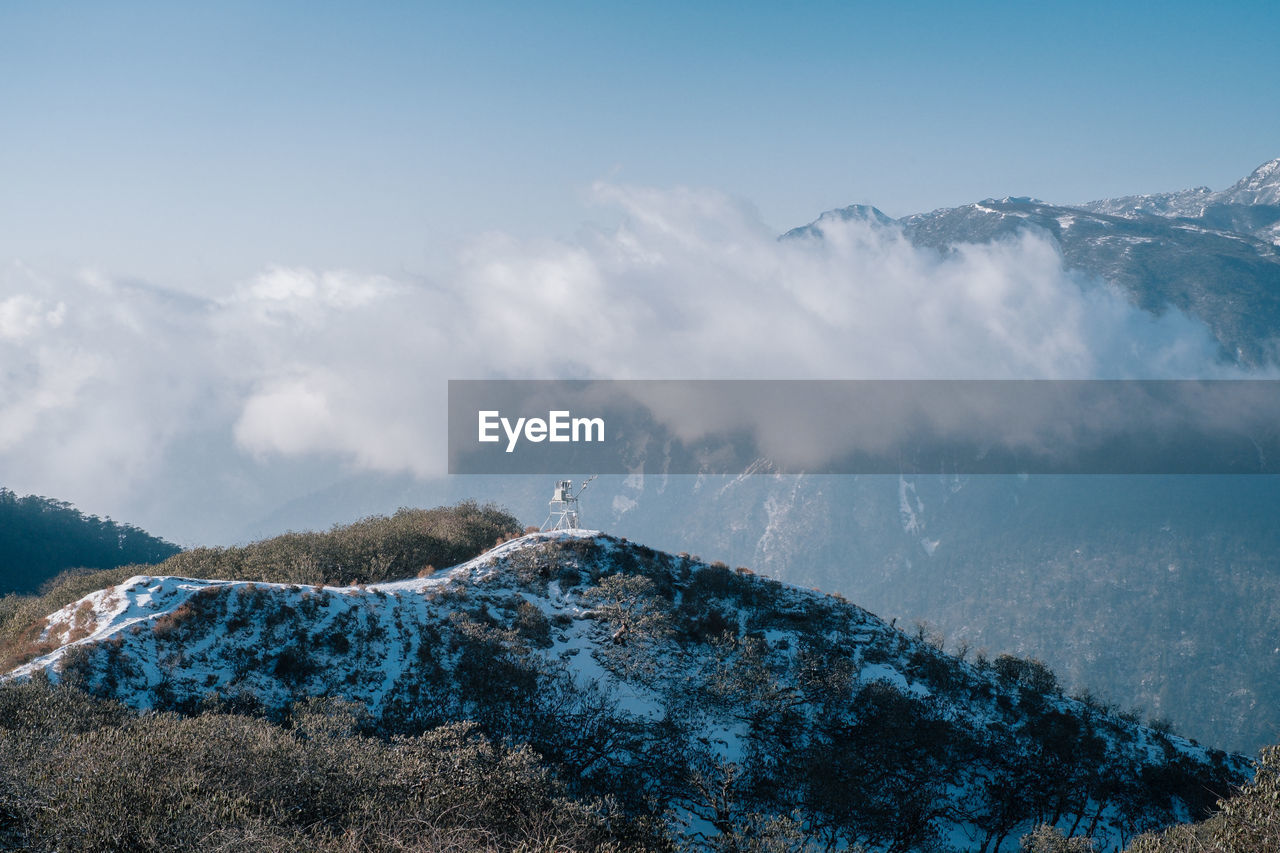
x,y
112,389
283,295
22,316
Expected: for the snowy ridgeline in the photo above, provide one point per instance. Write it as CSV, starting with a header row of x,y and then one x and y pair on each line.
x,y
706,695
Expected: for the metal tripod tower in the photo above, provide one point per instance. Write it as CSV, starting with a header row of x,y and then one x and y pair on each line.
x,y
564,506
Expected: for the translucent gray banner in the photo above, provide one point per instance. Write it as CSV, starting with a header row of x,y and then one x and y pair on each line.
x,y
864,427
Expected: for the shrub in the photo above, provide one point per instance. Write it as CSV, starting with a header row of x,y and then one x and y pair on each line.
x,y
221,781
1048,839
22,618
1029,673
378,548
168,624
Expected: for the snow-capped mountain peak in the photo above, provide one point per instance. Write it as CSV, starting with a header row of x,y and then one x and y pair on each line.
x,y
1261,187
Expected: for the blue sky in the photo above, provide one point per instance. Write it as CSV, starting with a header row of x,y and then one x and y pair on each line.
x,y
188,145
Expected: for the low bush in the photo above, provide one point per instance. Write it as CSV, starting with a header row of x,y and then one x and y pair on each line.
x,y
79,774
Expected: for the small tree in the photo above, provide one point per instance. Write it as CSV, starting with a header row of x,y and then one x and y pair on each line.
x,y
630,603
1251,819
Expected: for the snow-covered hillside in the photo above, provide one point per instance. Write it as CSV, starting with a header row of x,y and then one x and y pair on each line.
x,y
711,696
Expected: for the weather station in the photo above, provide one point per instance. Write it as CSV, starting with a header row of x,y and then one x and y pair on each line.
x,y
564,506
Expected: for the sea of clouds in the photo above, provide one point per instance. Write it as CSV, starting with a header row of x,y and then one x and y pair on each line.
x,y
191,413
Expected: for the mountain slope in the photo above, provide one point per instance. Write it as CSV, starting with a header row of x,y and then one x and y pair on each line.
x,y
709,697
1153,592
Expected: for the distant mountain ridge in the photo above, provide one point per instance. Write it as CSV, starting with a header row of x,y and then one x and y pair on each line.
x,y
1215,256
1261,187
660,680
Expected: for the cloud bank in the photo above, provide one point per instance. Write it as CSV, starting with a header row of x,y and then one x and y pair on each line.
x,y
158,406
